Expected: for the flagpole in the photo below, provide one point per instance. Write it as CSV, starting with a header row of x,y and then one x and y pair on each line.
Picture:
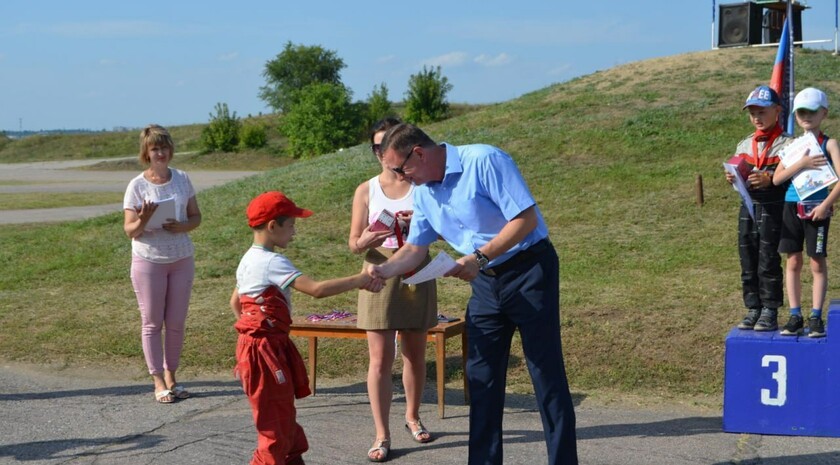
x,y
835,26
713,28
791,89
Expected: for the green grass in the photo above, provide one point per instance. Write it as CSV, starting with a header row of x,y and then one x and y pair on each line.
x,y
649,280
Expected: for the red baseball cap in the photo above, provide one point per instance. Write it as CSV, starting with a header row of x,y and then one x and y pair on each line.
x,y
272,205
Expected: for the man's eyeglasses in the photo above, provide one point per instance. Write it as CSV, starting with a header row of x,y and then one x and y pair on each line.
x,y
399,170
376,149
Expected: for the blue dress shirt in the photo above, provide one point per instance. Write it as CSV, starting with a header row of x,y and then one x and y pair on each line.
x,y
481,191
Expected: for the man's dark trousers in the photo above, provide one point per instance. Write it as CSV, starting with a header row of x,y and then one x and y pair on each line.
x,y
524,295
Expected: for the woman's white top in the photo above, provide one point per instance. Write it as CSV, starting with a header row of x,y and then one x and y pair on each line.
x,y
378,201
160,245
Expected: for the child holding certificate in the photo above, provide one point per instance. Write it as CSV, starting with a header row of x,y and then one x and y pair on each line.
x,y
807,220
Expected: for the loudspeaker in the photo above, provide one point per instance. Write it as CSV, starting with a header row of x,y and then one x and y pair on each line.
x,y
774,21
739,24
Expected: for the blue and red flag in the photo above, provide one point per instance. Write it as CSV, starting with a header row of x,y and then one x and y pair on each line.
x,y
782,78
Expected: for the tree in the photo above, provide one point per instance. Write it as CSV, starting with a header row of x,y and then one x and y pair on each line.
x,y
321,121
425,99
378,105
295,68
222,133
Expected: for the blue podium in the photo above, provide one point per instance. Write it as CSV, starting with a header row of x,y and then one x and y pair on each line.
x,y
786,385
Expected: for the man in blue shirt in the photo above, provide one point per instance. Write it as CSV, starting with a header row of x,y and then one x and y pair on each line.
x,y
475,198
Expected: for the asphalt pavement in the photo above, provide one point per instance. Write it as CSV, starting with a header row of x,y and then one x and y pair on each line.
x,y
55,416
57,177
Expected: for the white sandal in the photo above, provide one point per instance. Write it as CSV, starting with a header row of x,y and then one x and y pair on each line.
x,y
160,395
420,430
383,446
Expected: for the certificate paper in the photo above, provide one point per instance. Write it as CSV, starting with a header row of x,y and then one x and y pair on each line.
x,y
740,186
807,182
164,211
435,269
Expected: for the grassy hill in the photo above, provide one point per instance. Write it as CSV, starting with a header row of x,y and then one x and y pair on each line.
x,y
649,280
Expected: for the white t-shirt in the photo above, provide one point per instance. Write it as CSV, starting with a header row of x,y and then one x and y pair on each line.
x,y
260,268
161,246
378,201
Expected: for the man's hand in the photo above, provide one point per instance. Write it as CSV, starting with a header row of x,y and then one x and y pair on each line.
x,y
466,269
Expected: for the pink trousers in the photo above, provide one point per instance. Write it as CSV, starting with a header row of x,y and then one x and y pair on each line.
x,y
163,294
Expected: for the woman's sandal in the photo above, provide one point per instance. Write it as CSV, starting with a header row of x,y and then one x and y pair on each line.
x,y
383,446
418,432
179,392
165,396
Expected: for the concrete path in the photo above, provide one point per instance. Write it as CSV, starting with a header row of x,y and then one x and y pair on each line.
x,y
59,417
61,177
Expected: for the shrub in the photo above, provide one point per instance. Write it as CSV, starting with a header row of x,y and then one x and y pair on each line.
x,y
253,136
222,133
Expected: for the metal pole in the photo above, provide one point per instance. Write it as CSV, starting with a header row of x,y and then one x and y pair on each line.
x,y
835,26
713,25
792,87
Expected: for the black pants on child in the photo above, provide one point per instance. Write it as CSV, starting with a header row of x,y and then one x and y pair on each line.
x,y
761,263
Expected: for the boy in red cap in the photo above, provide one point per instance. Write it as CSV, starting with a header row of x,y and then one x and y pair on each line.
x,y
267,362
759,231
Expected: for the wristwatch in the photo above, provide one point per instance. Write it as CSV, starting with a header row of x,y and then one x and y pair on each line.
x,y
482,259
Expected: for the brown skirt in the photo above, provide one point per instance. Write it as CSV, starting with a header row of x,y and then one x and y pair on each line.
x,y
397,306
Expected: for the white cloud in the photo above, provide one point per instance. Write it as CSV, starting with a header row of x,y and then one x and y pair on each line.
x,y
107,62
447,60
498,60
2,56
228,56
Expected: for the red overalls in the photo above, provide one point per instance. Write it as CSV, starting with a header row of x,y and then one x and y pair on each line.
x,y
273,375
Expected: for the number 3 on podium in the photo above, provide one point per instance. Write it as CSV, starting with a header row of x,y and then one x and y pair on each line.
x,y
780,375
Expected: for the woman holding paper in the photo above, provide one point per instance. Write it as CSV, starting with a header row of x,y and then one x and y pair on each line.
x,y
162,267
382,209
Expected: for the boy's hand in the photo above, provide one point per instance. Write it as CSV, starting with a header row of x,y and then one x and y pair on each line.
x,y
810,163
760,180
820,212
730,178
369,283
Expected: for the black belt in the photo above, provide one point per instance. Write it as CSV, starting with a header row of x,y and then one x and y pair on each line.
x,y
529,255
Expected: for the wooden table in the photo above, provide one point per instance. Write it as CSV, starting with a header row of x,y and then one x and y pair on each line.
x,y
346,328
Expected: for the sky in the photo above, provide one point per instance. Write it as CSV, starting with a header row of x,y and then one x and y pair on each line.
x,y
91,64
